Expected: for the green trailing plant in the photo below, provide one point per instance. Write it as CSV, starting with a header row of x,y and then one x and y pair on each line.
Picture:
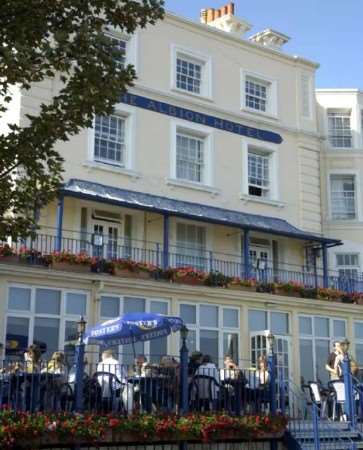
x,y
216,278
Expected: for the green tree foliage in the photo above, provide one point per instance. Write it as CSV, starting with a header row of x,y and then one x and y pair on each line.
x,y
65,40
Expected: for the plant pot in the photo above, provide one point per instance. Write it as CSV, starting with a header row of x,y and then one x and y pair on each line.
x,y
68,267
191,281
125,273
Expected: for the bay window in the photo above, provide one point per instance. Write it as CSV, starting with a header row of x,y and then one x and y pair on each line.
x,y
213,330
43,316
112,306
317,335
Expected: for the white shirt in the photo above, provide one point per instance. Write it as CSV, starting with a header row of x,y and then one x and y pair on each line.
x,y
210,370
112,366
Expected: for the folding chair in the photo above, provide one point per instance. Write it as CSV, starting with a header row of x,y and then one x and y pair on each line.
x,y
316,397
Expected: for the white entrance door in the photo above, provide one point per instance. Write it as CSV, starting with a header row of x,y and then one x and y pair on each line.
x,y
260,257
105,240
282,348
260,347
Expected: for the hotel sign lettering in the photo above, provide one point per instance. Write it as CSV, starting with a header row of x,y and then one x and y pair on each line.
x,y
200,118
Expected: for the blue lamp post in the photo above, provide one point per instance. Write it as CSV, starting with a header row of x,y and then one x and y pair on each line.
x,y
272,370
184,401
349,407
80,350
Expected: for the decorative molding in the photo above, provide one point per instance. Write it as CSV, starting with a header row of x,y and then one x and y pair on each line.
x,y
110,168
270,38
251,199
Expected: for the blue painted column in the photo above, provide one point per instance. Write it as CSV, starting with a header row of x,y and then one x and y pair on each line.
x,y
166,242
349,405
59,224
271,361
184,400
246,254
324,249
79,376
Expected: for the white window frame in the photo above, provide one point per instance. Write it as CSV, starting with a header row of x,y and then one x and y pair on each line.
x,y
356,340
148,301
271,151
342,112
197,131
62,317
131,40
206,66
271,98
129,115
313,336
345,267
269,312
220,328
208,241
342,172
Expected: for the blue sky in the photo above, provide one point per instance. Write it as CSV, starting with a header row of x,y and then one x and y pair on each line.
x,y
327,31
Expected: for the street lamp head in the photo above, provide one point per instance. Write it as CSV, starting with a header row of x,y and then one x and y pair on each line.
x,y
81,326
345,345
184,332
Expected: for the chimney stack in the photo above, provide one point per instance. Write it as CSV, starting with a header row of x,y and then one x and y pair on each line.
x,y
224,19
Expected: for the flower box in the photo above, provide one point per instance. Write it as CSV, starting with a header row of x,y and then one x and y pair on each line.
x,y
126,273
191,281
285,293
68,267
239,287
11,259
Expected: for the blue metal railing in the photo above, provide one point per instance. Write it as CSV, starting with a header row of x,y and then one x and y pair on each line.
x,y
231,265
310,427
145,388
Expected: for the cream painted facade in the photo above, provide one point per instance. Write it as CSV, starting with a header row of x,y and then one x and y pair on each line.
x,y
340,162
227,62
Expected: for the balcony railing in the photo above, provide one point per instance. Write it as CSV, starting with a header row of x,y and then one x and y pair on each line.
x,y
109,247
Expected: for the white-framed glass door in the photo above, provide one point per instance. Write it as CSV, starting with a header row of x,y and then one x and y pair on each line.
x,y
105,240
259,346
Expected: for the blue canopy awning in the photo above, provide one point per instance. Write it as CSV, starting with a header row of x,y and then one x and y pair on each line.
x,y
179,208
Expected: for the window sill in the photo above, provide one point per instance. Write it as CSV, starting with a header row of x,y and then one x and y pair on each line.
x,y
265,201
256,112
192,94
192,185
110,168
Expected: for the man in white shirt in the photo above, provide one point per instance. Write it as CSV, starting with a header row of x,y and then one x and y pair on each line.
x,y
207,388
110,365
